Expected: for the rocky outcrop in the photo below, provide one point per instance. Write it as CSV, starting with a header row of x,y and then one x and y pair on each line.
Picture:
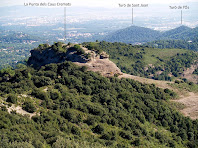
x,y
104,55
42,57
82,57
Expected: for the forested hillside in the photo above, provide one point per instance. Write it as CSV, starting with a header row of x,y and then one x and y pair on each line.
x,y
133,34
180,44
15,47
77,108
139,35
182,33
160,64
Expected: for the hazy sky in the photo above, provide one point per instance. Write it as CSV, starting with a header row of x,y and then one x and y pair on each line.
x,y
94,3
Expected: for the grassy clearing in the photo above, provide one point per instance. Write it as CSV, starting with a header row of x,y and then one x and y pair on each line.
x,y
165,54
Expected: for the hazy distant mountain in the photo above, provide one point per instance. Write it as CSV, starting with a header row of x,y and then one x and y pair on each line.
x,y
135,34
182,32
178,30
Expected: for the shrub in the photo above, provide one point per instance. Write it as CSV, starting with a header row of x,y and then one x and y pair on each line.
x,y
71,116
79,49
75,130
125,135
191,83
41,81
3,108
106,137
40,94
12,99
29,107
99,129
137,142
91,120
55,95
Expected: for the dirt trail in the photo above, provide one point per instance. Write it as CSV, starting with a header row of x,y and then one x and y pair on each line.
x,y
188,99
191,105
158,83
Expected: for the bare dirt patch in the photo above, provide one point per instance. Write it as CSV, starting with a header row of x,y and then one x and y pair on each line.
x,y
19,110
191,105
103,66
158,83
188,73
96,64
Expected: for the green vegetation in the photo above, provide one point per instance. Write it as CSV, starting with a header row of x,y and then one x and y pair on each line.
x,y
12,99
59,47
78,108
136,35
195,72
29,107
133,34
94,47
185,85
160,64
181,33
79,49
180,44
15,47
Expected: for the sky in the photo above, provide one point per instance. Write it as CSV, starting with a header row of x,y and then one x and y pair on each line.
x,y
158,11
94,3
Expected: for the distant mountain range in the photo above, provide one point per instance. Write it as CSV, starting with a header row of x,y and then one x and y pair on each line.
x,y
135,34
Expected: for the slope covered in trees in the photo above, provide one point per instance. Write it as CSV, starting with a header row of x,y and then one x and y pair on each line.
x,y
78,108
180,44
84,108
15,47
160,64
182,33
135,34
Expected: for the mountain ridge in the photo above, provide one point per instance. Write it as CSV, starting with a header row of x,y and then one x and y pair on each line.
x,y
126,35
136,34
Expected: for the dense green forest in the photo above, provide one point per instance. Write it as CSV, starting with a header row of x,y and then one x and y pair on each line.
x,y
133,34
16,37
137,35
180,44
181,33
78,108
83,109
13,53
144,61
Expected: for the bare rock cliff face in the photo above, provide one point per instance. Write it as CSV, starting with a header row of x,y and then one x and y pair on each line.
x,y
94,62
42,57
